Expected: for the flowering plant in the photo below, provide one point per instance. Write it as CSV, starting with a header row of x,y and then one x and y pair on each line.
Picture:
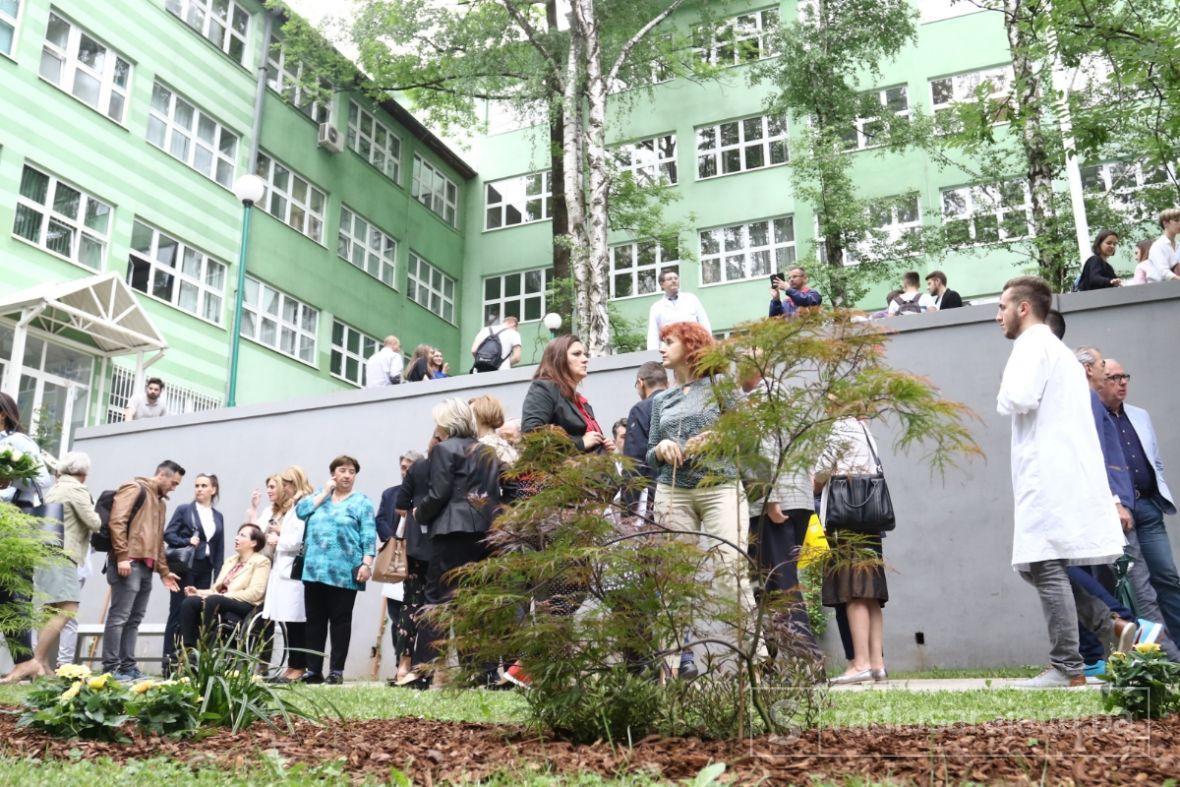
x,y
76,704
16,464
1143,684
167,707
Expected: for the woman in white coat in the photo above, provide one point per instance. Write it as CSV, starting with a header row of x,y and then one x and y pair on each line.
x,y
284,596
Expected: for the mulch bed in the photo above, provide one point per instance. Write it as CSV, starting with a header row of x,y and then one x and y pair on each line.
x,y
1095,750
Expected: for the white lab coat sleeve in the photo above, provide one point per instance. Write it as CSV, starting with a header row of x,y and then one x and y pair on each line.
x,y
703,318
1025,377
653,332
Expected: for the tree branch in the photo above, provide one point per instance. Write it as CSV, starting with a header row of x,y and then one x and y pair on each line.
x,y
625,52
533,36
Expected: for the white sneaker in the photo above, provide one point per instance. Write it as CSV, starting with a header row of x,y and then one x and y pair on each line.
x,y
1051,678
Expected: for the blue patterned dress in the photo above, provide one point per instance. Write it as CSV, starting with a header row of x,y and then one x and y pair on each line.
x,y
338,537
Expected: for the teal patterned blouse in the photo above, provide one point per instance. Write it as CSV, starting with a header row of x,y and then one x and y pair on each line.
x,y
337,538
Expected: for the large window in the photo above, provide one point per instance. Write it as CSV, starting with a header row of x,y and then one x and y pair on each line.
x,y
374,141
1118,183
176,126
740,39
994,84
292,199
350,350
280,322
987,213
869,132
430,288
62,219
9,14
176,273
366,247
435,190
741,145
747,251
92,72
224,22
635,268
650,161
893,220
520,295
285,76
519,200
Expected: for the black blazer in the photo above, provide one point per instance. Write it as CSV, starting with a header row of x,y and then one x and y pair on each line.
x,y
387,514
950,300
544,406
411,493
1097,274
463,495
419,370
638,427
186,523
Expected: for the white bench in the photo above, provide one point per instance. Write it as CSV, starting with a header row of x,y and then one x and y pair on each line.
x,y
94,630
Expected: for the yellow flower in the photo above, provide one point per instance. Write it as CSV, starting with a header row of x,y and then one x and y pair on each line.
x,y
184,680
233,674
99,682
142,687
1147,647
70,693
257,678
73,671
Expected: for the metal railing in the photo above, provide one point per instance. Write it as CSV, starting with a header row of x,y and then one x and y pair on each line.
x,y
177,398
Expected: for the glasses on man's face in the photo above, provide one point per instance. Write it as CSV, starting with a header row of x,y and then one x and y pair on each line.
x,y
1119,378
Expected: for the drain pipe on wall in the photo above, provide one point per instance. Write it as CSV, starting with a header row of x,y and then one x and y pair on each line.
x,y
259,92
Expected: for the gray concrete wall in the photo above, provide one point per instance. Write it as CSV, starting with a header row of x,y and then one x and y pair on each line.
x,y
951,579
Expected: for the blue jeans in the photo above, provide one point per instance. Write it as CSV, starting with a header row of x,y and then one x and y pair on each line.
x,y
1157,553
1089,645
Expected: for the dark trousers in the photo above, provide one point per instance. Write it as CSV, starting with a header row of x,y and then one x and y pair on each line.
x,y
774,548
199,576
449,552
1089,645
328,609
209,613
294,644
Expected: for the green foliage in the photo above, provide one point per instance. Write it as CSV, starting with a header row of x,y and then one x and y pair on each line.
x,y
1143,684
165,707
74,704
24,547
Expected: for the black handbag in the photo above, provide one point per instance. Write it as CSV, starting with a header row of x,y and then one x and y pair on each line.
x,y
180,559
860,503
297,563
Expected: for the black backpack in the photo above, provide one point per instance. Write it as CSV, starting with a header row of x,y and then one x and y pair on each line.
x,y
908,307
101,541
489,353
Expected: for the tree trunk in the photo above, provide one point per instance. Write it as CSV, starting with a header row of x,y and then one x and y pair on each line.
x,y
572,185
563,302
1028,94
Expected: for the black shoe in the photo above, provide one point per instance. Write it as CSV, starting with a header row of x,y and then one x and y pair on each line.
x,y
312,678
334,679
279,680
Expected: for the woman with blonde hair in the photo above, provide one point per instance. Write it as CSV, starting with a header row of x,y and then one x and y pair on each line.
x,y
284,540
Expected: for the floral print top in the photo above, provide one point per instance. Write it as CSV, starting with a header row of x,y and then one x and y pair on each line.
x,y
337,538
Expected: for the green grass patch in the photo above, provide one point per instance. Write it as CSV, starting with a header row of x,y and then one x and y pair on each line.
x,y
857,709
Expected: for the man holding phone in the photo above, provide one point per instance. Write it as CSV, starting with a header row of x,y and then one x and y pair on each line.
x,y
797,292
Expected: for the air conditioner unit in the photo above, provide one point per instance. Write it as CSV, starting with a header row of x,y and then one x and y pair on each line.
x,y
329,138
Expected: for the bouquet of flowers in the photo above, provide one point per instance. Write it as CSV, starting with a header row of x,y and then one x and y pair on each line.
x,y
18,465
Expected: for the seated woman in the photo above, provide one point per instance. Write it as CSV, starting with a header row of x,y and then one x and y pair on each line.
x,y
238,589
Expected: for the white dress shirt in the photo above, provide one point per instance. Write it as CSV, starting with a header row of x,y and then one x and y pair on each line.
x,y
382,367
1063,508
685,307
1163,255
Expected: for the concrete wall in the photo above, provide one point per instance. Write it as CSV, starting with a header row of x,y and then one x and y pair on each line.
x,y
951,579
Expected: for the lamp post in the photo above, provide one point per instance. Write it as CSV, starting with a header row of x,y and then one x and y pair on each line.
x,y
552,321
248,189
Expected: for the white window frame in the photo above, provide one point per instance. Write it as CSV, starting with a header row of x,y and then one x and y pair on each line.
x,y
309,221
644,262
717,149
1120,197
421,287
209,270
363,141
220,161
75,224
519,194
287,80
964,84
736,34
255,315
200,16
12,21
436,191
366,344
892,231
986,200
378,261
650,161
70,65
746,251
531,285
862,139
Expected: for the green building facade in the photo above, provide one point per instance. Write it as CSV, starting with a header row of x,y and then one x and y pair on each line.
x,y
129,121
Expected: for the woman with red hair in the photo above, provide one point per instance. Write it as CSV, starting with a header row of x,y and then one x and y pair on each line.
x,y
680,418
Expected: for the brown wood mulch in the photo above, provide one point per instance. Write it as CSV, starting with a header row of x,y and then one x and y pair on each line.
x,y
1096,750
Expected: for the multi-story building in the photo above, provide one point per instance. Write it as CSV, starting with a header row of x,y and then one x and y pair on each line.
x,y
129,121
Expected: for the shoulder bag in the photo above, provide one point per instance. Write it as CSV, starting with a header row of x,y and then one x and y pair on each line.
x,y
391,564
860,503
297,563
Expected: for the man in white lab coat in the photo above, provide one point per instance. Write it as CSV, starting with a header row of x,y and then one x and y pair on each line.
x,y
1064,513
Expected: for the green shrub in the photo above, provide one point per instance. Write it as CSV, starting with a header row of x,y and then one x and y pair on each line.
x,y
1143,684
165,707
76,704
24,547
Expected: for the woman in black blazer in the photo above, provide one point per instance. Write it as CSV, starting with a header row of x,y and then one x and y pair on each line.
x,y
461,501
553,398
1097,272
197,524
